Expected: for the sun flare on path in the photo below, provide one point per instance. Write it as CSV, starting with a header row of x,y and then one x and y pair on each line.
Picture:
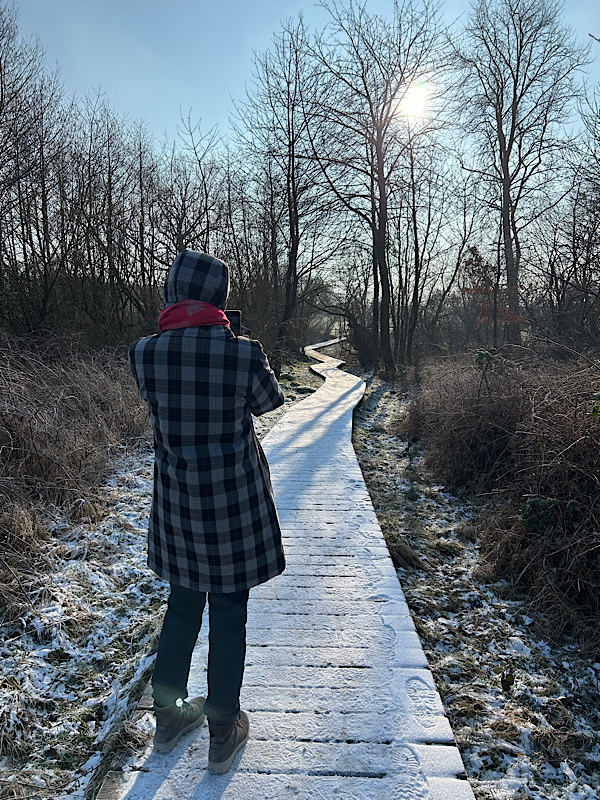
x,y
414,101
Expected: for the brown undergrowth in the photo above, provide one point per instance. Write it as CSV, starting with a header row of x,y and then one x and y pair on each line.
x,y
64,414
523,433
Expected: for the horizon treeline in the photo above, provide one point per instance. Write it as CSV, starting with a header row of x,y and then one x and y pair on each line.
x,y
422,189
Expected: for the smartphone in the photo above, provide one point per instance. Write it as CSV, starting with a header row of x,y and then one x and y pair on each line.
x,y
235,321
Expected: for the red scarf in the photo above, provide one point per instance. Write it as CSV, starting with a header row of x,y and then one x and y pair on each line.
x,y
190,313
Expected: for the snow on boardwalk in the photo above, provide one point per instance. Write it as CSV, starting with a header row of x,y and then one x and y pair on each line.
x,y
341,702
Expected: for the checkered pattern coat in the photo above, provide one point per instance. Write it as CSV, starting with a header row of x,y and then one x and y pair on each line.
x,y
213,524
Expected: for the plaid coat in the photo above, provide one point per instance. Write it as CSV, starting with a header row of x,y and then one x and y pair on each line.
x,y
213,523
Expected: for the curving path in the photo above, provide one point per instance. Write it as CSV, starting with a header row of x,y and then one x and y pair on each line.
x,y
342,704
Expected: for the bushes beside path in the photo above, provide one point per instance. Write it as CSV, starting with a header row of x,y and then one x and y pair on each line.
x,y
64,415
521,430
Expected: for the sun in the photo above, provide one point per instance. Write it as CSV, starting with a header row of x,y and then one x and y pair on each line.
x,y
414,101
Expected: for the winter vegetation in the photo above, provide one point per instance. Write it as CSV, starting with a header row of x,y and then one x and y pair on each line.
x,y
431,192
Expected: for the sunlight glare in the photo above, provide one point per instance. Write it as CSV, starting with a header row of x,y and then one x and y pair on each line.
x,y
413,103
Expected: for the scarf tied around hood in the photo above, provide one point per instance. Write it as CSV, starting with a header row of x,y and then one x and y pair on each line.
x,y
189,314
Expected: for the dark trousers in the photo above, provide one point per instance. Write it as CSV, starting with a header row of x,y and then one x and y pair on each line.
x,y
226,650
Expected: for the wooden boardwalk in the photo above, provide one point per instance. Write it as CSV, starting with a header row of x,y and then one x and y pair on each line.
x,y
342,704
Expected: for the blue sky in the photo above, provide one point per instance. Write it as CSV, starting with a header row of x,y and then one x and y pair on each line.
x,y
153,58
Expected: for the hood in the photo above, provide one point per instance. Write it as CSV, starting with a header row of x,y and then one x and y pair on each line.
x,y
197,276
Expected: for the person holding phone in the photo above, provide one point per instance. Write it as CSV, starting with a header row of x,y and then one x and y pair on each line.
x,y
213,531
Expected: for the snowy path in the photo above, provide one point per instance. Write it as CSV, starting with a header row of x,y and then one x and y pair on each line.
x,y
342,704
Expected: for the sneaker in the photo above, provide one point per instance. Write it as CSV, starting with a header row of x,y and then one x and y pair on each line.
x,y
175,720
226,741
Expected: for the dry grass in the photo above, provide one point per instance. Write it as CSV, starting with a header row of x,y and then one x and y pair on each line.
x,y
468,416
525,435
63,415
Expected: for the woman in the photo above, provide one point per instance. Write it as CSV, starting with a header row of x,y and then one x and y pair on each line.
x,y
213,526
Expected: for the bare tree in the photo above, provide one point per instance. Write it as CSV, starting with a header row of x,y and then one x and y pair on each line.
x,y
47,230
21,69
590,153
272,130
22,102
462,219
366,65
250,243
190,190
420,233
203,150
517,66
563,298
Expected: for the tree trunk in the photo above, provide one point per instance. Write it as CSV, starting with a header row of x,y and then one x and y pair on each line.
x,y
375,314
512,267
379,241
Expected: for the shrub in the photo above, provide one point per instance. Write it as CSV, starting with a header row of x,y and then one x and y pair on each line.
x,y
64,414
468,415
525,436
